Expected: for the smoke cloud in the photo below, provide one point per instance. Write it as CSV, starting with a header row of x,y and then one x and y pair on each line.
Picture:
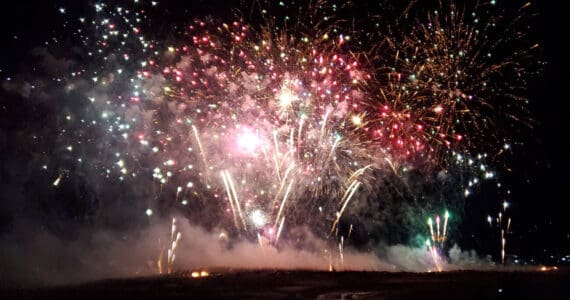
x,y
32,257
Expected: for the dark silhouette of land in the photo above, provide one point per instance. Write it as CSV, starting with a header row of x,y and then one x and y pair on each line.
x,y
264,284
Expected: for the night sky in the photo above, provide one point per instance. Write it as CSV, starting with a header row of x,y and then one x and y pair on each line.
x,y
534,170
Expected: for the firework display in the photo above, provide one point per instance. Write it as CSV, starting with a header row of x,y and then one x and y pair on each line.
x,y
259,127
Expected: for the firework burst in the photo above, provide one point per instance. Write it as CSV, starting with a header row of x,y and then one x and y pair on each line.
x,y
448,81
264,126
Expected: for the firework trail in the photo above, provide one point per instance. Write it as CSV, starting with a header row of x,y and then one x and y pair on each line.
x,y
503,226
438,238
175,236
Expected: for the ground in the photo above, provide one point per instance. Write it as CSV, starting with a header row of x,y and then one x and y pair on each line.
x,y
554,284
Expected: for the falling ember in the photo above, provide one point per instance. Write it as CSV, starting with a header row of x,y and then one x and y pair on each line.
x,y
57,180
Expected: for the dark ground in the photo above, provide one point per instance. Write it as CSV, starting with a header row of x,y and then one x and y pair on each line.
x,y
318,285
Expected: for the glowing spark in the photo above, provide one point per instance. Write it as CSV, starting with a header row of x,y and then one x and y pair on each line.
x,y
248,141
258,218
356,120
286,98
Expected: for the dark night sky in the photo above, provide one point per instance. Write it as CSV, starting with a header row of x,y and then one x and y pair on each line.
x,y
539,174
